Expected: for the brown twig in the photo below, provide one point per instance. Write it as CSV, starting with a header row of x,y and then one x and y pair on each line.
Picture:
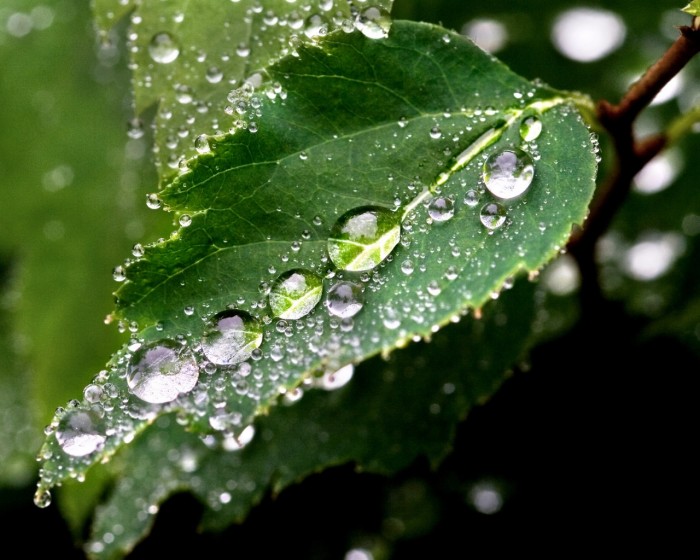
x,y
631,154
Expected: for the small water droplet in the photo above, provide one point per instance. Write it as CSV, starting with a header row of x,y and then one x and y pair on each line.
x,y
152,201
471,198
315,26
407,267
294,294
42,498
232,337
333,380
160,371
435,133
508,174
137,250
93,393
362,238
530,129
185,220
80,432
441,208
119,273
163,48
373,23
134,128
492,215
345,299
214,75
201,144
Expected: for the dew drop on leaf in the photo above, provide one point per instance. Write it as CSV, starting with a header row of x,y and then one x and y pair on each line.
x,y
492,215
362,238
530,129
345,299
159,372
232,337
163,48
333,380
374,23
441,208
471,198
42,498
295,293
201,144
80,432
508,174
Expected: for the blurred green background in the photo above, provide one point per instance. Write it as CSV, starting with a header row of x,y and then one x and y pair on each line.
x,y
595,429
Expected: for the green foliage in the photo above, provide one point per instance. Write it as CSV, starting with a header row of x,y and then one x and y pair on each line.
x,y
265,147
693,8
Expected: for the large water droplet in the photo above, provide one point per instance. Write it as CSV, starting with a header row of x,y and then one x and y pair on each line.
x,y
80,432
163,48
530,129
42,498
508,174
295,293
345,299
233,337
363,237
441,208
159,372
374,23
492,215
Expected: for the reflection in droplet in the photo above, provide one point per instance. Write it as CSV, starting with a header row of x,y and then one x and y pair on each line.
x,y
374,23
509,173
345,299
160,371
588,34
232,337
362,238
492,215
163,48
530,128
294,294
330,381
441,208
80,432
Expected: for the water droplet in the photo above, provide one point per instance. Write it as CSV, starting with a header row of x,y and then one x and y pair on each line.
x,y
407,267
134,128
471,198
441,208
137,250
201,144
80,432
373,23
232,338
163,48
435,133
295,293
335,379
159,372
362,238
185,220
152,201
345,299
119,273
42,498
530,129
508,174
315,26
214,75
492,215
93,393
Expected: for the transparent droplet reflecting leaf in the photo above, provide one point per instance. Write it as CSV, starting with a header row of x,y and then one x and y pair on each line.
x,y
345,299
159,372
232,338
295,293
530,129
163,48
492,215
374,23
441,208
509,173
362,238
80,432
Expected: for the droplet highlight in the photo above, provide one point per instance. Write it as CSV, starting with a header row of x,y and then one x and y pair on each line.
x,y
80,432
345,299
163,49
295,293
509,173
232,337
492,215
441,209
362,238
159,372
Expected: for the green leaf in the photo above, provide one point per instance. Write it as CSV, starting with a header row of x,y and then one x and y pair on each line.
x,y
187,55
390,413
407,124
693,8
